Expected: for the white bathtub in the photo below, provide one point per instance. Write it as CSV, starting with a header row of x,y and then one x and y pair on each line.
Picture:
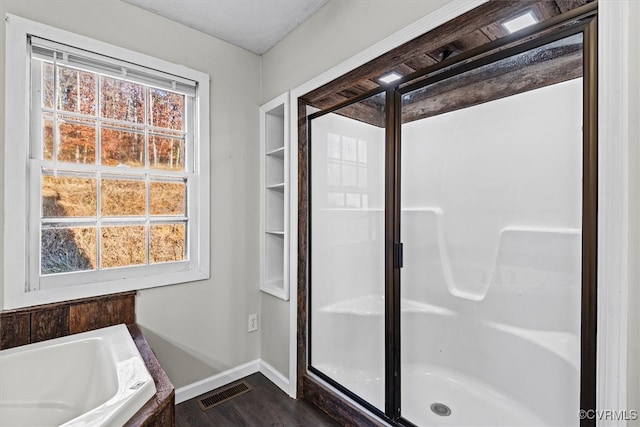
x,y
95,378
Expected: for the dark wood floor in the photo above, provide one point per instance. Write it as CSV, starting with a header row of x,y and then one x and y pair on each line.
x,y
264,405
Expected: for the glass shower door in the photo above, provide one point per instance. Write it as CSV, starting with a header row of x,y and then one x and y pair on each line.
x,y
491,205
347,248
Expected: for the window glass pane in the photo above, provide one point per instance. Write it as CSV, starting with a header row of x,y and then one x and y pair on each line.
x,y
106,147
167,243
348,149
353,200
166,109
76,91
68,196
362,177
121,147
77,141
362,151
335,199
47,137
167,198
47,85
95,217
333,173
166,153
123,246
66,249
333,146
122,197
121,100
349,176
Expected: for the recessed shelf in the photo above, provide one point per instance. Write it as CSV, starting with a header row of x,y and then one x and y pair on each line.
x,y
277,187
275,283
274,170
278,152
274,247
274,259
274,210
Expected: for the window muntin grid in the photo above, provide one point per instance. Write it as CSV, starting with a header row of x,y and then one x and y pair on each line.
x,y
119,146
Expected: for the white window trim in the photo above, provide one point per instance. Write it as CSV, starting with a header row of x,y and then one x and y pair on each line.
x,y
16,172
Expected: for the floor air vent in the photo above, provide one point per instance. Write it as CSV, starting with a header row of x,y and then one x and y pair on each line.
x,y
221,396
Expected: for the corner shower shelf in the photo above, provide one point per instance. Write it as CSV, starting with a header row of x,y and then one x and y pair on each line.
x,y
274,197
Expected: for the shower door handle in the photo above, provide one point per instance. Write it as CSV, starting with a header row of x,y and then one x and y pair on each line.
x,y
398,255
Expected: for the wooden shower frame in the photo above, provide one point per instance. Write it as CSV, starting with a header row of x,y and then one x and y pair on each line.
x,y
310,386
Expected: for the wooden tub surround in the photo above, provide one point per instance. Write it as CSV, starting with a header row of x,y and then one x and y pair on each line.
x,y
43,322
160,410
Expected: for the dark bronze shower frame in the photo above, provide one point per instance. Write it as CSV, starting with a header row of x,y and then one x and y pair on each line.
x,y
580,20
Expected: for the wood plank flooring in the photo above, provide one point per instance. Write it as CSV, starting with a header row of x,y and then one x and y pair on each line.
x,y
265,405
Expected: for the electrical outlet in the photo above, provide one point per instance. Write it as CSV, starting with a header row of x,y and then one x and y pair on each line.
x,y
253,322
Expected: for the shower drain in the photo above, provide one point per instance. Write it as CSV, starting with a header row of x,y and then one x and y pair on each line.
x,y
441,409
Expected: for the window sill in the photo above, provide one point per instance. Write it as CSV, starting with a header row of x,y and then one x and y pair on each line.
x,y
14,299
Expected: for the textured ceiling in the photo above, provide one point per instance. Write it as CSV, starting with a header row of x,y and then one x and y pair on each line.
x,y
255,25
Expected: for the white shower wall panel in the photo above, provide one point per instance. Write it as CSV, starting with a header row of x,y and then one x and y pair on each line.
x,y
347,235
490,289
491,226
498,173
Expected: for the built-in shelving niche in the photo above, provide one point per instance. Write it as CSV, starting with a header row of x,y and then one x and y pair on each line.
x,y
274,197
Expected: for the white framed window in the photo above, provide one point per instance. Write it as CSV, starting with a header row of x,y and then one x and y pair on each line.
x,y
106,168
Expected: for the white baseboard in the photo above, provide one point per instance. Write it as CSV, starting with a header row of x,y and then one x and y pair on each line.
x,y
275,376
234,374
223,378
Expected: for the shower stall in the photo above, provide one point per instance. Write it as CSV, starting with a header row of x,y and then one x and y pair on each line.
x,y
451,226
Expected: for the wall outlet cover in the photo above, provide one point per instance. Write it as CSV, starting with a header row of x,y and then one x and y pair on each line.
x,y
253,322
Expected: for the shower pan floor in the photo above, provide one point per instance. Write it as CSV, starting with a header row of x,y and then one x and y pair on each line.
x,y
472,402
365,383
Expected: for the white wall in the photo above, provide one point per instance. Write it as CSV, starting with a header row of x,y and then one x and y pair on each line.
x,y
633,385
274,332
335,33
196,329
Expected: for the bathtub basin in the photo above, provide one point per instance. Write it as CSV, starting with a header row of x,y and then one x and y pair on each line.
x,y
95,378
